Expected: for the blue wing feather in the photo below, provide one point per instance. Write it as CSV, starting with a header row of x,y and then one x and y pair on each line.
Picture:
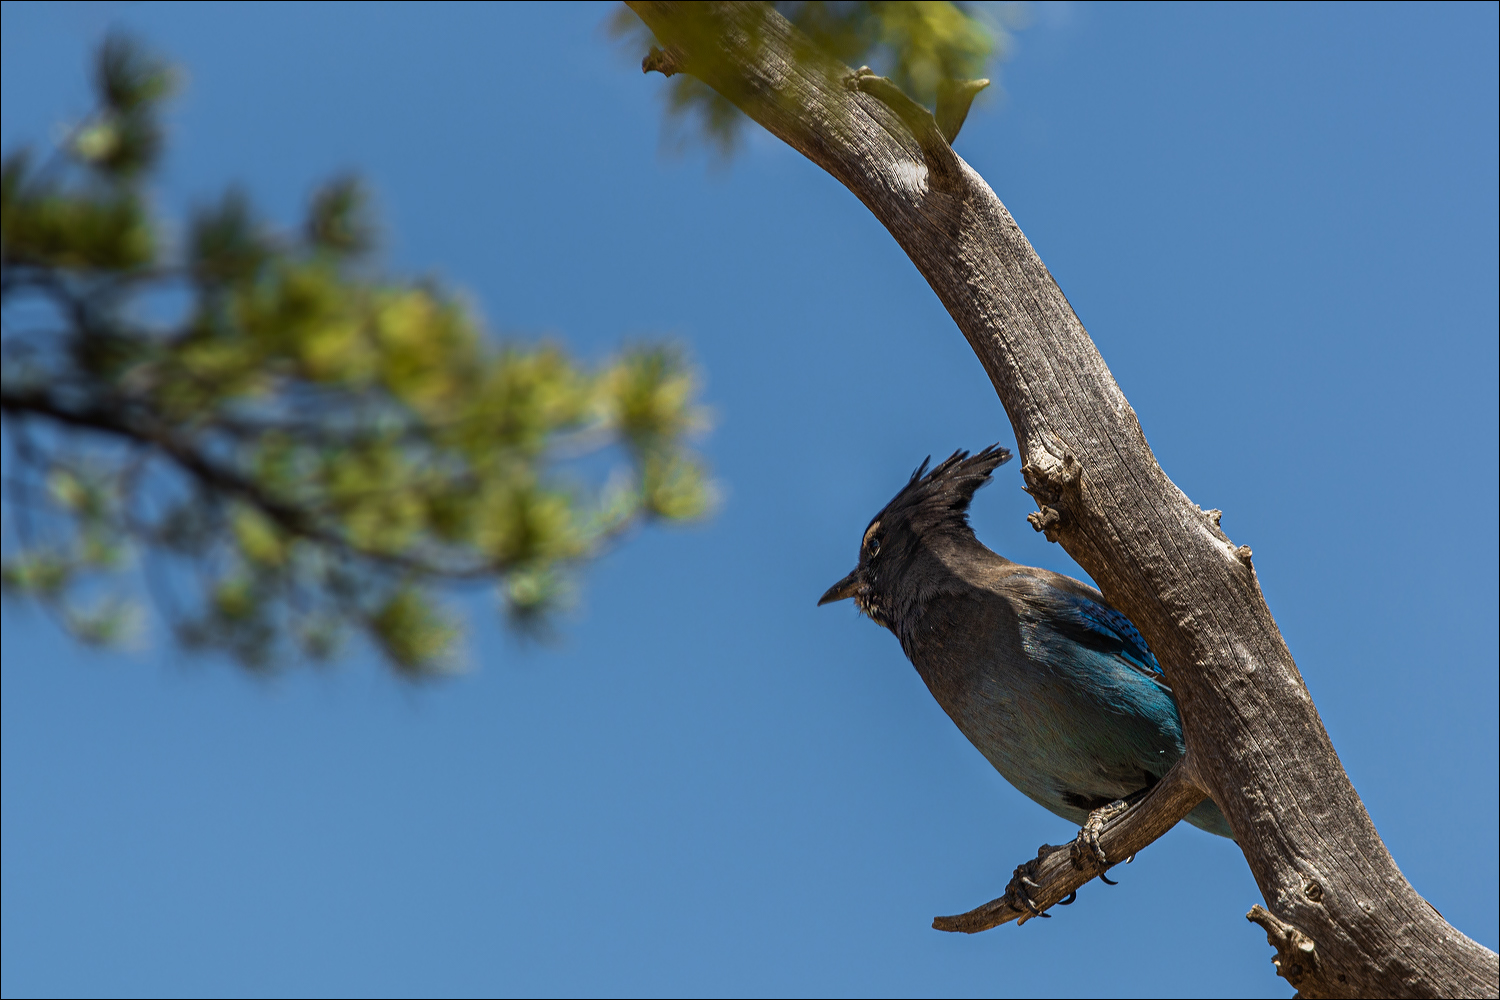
x,y
1100,627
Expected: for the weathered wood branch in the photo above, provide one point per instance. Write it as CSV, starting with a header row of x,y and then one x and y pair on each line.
x,y
1059,871
1352,923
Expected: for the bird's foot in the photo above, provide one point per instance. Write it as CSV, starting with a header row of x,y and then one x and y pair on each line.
x,y
1087,851
1018,892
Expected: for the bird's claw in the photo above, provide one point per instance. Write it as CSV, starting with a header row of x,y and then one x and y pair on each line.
x,y
1019,883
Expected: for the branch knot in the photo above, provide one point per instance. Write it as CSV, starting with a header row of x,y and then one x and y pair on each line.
x,y
1049,483
667,61
1046,519
1046,480
1296,954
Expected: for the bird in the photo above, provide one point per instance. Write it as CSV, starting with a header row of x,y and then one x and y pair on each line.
x,y
1056,688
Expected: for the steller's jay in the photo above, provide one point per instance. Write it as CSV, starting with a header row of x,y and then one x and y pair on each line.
x,y
1056,688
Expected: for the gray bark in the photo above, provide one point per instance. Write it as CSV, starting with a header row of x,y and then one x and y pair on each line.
x,y
1344,920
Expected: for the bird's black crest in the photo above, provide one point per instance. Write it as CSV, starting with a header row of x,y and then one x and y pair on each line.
x,y
939,499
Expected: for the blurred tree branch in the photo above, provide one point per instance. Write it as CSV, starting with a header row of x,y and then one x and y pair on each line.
x,y
1343,919
297,445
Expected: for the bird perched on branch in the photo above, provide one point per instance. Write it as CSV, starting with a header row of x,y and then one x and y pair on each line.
x,y
1056,688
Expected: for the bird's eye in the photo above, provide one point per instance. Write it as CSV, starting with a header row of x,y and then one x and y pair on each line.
x,y
874,546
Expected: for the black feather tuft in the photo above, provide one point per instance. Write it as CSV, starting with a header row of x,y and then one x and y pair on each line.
x,y
939,499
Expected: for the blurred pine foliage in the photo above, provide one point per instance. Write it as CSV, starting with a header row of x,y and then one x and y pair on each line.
x,y
309,448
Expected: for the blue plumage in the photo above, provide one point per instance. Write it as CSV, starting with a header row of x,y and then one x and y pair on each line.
x,y
1057,689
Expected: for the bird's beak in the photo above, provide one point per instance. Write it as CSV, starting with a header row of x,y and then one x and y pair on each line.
x,y
842,590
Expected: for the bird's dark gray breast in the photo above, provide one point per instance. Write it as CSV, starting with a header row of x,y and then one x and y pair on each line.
x,y
1027,698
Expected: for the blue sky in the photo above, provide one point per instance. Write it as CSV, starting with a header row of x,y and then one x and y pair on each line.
x,y
1279,224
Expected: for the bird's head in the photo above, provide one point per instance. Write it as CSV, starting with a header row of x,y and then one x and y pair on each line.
x,y
933,505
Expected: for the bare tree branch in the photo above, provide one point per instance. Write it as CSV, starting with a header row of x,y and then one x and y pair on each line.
x,y
1357,927
1056,872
